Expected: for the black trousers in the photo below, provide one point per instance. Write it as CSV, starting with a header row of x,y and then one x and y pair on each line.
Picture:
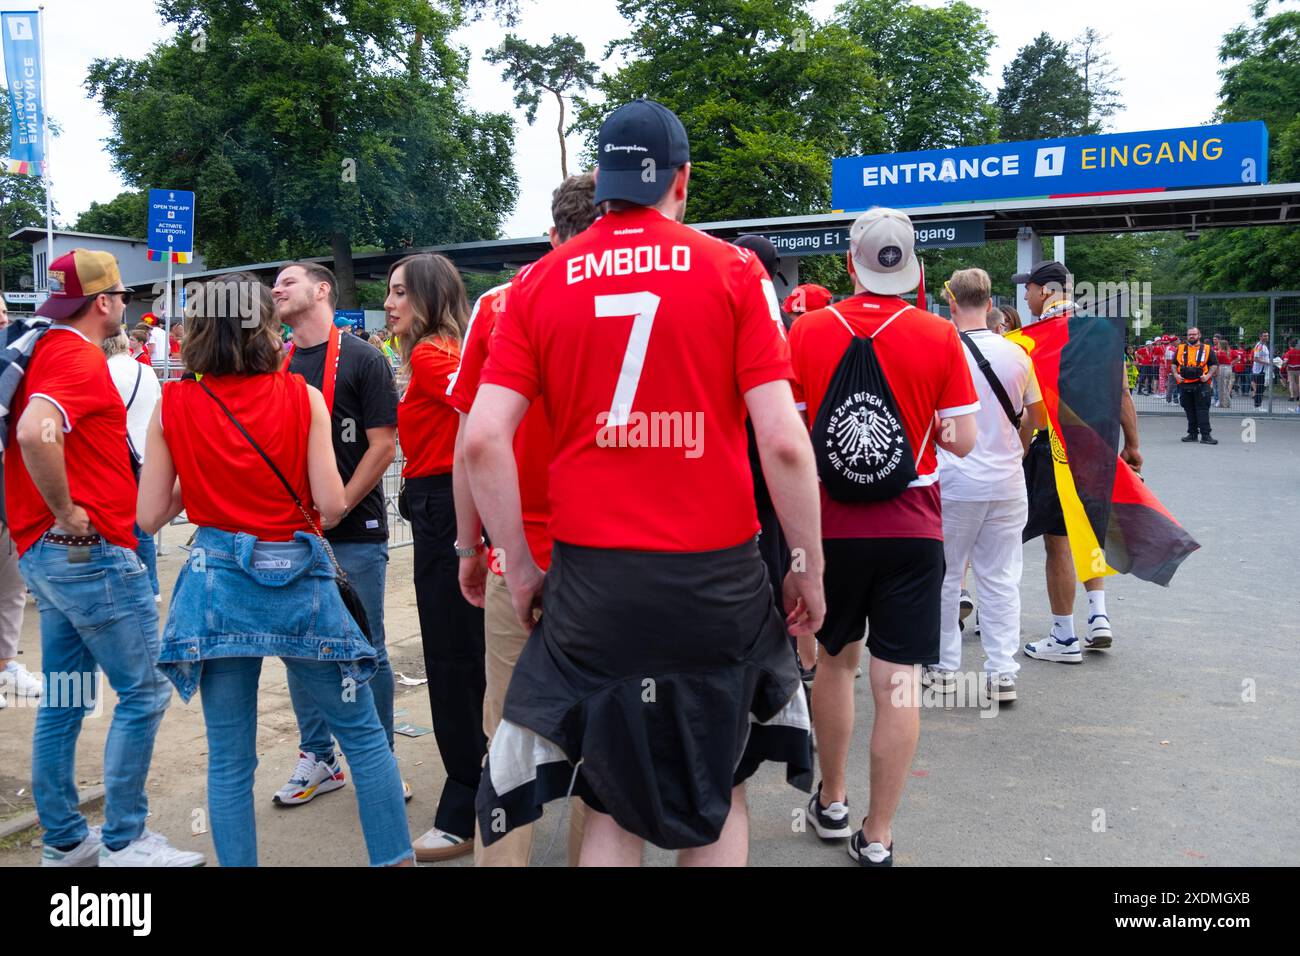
x,y
1196,405
1259,388
452,632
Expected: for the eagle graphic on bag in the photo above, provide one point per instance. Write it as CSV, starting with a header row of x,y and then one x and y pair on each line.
x,y
858,439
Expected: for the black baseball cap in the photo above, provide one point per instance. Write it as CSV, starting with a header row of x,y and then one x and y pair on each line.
x,y
641,146
1043,274
762,247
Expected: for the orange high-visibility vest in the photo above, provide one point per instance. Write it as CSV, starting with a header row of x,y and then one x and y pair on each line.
x,y
1185,357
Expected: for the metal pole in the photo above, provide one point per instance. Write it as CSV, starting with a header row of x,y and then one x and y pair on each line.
x,y
45,134
167,322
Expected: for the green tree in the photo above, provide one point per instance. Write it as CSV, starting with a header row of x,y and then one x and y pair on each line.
x,y
306,127
560,68
1100,77
22,203
1261,81
125,215
1042,95
927,62
767,97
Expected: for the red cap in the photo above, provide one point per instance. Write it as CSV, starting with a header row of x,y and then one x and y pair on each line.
x,y
807,298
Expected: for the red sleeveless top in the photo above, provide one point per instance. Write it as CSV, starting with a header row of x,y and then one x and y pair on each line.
x,y
225,484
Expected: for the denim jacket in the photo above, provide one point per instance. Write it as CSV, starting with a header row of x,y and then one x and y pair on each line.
x,y
236,597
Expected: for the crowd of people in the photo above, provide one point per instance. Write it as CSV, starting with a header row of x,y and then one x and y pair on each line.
x,y
1236,369
634,569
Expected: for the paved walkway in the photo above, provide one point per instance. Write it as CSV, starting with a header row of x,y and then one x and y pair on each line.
x,y
1183,741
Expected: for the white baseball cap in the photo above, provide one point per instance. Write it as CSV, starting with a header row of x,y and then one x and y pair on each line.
x,y
882,243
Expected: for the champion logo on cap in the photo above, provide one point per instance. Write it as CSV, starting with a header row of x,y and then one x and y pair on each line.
x,y
890,256
611,148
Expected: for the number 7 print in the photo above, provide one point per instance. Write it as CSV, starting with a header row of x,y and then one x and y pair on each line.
x,y
642,305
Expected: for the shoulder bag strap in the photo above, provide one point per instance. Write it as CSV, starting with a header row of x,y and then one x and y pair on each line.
x,y
994,382
311,522
139,373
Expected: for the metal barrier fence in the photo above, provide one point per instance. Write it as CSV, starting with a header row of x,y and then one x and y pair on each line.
x,y
1239,318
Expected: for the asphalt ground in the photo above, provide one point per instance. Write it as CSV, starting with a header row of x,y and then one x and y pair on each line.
x,y
1178,747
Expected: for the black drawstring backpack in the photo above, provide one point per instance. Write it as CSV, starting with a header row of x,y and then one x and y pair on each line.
x,y
862,450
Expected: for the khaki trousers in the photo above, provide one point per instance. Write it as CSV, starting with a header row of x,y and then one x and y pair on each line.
x,y
504,639
13,596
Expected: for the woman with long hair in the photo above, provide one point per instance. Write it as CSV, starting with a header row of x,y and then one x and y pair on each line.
x,y
428,312
251,447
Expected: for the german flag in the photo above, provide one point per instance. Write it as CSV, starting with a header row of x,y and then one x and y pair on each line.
x,y
1115,524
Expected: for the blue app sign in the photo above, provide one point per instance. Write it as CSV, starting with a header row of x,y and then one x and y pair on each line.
x,y
171,220
1228,154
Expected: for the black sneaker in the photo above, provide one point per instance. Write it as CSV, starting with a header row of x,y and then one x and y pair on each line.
x,y
1189,438
869,854
830,823
1207,440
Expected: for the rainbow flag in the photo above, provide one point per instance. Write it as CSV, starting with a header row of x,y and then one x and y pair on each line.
x,y
1115,524
156,255
19,167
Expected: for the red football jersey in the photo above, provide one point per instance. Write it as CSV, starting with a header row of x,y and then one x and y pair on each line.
x,y
426,422
532,439
641,336
70,371
924,362
225,484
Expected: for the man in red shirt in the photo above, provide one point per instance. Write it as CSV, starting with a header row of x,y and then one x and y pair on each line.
x,y
659,675
1146,370
1292,358
572,211
70,500
884,559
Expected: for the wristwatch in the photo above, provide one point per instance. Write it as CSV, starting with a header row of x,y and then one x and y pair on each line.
x,y
469,552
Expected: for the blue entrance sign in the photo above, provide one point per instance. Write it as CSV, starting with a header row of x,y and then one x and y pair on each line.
x,y
171,225
1224,155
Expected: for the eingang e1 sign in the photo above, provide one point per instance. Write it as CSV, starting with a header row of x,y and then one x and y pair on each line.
x,y
1228,154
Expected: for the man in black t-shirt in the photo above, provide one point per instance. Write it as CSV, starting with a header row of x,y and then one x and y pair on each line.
x,y
357,382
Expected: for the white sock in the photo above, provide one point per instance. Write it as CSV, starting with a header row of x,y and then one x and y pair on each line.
x,y
1097,604
1063,627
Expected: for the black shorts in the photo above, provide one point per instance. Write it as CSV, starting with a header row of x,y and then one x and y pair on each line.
x,y
894,583
1045,514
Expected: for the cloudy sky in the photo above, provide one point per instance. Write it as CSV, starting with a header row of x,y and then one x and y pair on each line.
x,y
1167,58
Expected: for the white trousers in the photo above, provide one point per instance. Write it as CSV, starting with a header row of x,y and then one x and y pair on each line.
x,y
987,534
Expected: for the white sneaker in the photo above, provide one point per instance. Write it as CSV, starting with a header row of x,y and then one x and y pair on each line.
x,y
436,845
309,780
1052,649
157,599
85,853
943,682
965,605
1099,634
150,849
20,680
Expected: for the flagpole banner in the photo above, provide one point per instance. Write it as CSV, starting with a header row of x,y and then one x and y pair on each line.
x,y
21,42
1114,523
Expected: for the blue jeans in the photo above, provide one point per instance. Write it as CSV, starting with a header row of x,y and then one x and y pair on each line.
x,y
366,565
228,688
148,553
99,612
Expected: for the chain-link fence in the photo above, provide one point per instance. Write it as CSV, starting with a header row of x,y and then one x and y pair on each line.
x,y
1246,324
